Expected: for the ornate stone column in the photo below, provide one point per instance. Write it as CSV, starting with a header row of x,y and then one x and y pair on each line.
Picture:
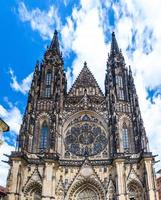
x,y
12,185
48,187
119,163
150,178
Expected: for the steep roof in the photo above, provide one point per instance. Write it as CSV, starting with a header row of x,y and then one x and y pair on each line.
x,y
85,80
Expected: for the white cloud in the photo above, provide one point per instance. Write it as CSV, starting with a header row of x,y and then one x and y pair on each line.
x,y
42,21
22,87
4,149
12,117
86,40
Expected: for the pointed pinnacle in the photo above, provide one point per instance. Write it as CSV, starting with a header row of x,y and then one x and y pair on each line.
x,y
114,45
85,64
130,71
55,43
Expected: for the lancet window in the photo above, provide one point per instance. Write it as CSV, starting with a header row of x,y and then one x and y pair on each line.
x,y
48,78
44,136
33,192
48,84
119,81
47,91
120,89
125,136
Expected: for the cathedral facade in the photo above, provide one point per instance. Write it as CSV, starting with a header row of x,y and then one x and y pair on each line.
x,y
83,144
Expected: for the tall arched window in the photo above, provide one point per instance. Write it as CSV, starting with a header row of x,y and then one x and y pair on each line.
x,y
125,136
120,87
44,136
48,84
48,78
47,91
119,81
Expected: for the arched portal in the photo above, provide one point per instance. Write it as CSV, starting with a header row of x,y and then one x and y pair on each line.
x,y
87,194
33,191
86,190
135,191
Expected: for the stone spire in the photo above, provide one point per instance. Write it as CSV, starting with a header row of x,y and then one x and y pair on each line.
x,y
55,43
114,46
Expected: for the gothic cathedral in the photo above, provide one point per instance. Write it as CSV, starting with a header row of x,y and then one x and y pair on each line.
x,y
83,144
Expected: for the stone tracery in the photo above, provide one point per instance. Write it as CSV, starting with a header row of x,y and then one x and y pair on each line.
x,y
86,137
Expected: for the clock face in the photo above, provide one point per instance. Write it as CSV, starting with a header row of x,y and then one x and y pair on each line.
x,y
85,139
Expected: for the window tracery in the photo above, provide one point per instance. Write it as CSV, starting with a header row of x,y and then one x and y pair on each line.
x,y
48,84
47,91
44,136
87,194
135,191
120,87
48,78
33,192
125,136
119,80
86,137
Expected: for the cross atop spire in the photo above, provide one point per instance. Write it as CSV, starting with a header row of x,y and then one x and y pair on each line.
x,y
114,45
55,43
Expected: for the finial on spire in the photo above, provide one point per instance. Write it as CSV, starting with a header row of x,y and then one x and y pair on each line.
x,y
130,72
114,45
55,43
85,64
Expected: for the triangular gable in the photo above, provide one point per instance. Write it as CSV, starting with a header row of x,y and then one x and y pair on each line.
x,y
85,80
35,177
133,176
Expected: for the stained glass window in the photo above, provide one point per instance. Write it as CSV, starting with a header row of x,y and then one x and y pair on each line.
x,y
47,91
48,78
120,88
119,81
44,136
48,84
125,137
121,93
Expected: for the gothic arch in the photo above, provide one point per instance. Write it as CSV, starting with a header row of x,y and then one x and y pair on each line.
x,y
89,187
135,190
43,117
84,112
33,191
125,134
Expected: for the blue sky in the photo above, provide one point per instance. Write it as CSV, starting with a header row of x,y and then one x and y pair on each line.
x,y
85,28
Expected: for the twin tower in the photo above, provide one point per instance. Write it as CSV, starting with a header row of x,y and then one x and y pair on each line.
x,y
82,144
